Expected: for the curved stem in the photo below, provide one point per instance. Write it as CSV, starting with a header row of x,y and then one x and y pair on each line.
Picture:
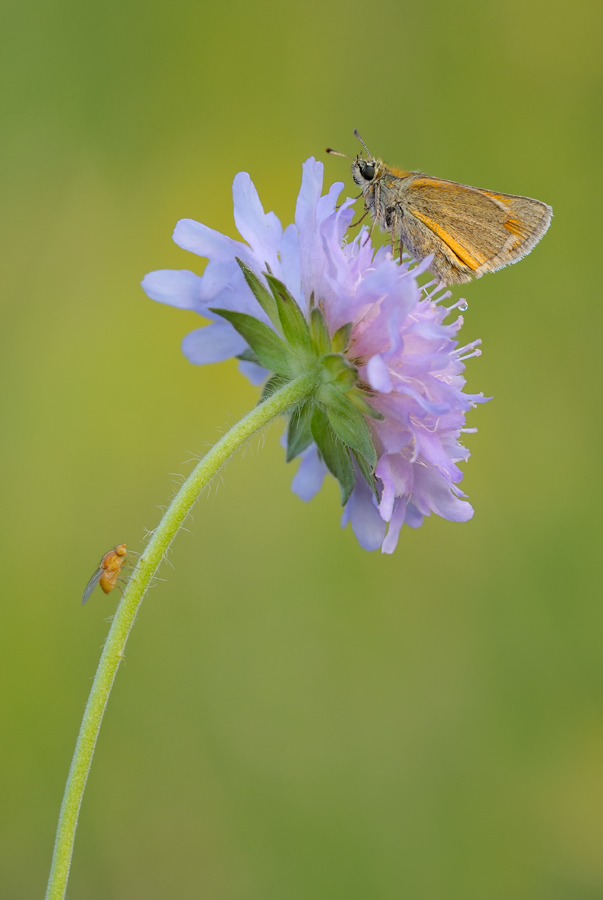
x,y
128,608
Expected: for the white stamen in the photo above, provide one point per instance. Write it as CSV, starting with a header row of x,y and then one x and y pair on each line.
x,y
466,347
469,355
460,304
413,458
417,423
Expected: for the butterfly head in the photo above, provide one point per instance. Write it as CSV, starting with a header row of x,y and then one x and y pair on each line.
x,y
364,171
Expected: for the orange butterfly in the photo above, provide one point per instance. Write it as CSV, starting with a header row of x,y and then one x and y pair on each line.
x,y
469,230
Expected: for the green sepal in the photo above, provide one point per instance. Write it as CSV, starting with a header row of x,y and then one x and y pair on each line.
x,y
347,423
248,356
338,371
335,454
319,331
292,320
299,433
271,351
260,292
363,405
367,472
273,385
341,338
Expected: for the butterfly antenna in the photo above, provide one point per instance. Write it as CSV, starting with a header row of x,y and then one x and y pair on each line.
x,y
356,134
337,153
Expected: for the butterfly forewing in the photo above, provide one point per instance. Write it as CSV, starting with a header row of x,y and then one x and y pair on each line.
x,y
481,230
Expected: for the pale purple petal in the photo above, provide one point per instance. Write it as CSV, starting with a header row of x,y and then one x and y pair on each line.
x,y
367,524
289,256
204,241
382,282
362,255
237,297
413,516
179,288
344,517
310,245
378,374
256,374
397,296
309,195
393,532
432,450
325,206
308,479
334,227
217,276
262,232
397,474
333,279
432,492
388,495
438,409
421,267
393,435
214,343
434,331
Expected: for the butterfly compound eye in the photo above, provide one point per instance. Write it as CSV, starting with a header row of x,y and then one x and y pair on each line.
x,y
367,171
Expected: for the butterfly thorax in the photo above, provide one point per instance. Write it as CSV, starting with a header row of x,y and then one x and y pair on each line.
x,y
381,185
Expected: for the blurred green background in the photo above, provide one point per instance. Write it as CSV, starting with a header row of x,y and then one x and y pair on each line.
x,y
296,718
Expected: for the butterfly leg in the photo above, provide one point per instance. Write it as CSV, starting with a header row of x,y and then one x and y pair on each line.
x,y
392,220
394,228
358,221
370,234
355,198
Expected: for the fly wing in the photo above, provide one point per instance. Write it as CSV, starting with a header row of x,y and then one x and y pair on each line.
x,y
92,584
484,229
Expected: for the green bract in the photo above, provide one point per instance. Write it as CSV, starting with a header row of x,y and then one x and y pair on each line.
x,y
334,416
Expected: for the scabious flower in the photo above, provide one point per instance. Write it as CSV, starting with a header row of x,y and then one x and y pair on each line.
x,y
388,413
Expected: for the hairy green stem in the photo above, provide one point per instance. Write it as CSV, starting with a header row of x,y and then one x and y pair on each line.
x,y
127,610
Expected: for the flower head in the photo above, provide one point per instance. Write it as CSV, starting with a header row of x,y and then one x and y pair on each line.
x,y
389,409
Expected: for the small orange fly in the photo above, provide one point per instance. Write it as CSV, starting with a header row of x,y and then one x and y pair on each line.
x,y
108,571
